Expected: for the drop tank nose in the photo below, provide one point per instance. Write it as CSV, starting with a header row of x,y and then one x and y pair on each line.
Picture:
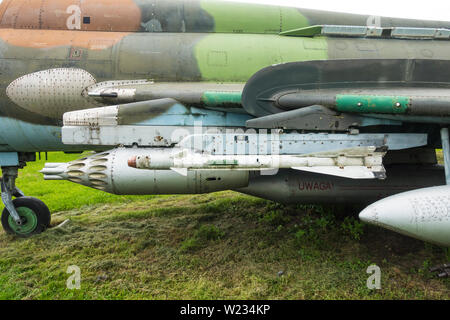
x,y
423,214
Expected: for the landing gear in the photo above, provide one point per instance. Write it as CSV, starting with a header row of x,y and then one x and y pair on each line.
x,y
34,217
23,216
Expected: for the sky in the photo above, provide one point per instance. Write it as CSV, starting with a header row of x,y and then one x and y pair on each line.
x,y
428,10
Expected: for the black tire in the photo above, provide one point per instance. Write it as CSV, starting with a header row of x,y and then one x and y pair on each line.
x,y
37,212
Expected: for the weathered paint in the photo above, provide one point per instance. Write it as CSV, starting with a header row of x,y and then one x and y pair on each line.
x,y
176,16
252,18
22,136
165,57
53,38
421,214
163,112
197,41
215,98
235,58
9,159
127,180
304,187
87,15
52,92
168,41
372,104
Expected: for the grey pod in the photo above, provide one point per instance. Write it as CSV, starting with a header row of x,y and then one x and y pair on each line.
x,y
423,214
109,171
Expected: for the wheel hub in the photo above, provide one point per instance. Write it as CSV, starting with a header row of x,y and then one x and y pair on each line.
x,y
28,223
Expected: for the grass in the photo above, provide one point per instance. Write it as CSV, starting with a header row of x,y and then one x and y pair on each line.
x,y
216,246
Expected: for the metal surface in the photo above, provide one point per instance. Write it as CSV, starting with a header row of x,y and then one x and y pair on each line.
x,y
8,189
273,142
162,122
153,112
51,92
316,118
423,214
176,16
124,90
334,30
210,95
9,159
356,163
291,187
413,101
145,73
420,33
370,32
27,137
110,172
446,151
321,82
370,104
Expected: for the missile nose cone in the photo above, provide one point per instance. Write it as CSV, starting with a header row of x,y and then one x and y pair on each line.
x,y
132,162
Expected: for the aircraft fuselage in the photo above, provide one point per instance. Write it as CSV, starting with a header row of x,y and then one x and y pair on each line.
x,y
176,41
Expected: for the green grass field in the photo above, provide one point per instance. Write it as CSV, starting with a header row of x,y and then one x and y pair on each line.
x,y
216,246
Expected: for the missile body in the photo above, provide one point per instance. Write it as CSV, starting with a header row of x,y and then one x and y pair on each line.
x,y
199,161
109,171
356,163
422,214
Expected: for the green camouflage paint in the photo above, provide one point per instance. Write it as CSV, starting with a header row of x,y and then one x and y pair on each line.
x,y
215,98
252,18
235,58
372,104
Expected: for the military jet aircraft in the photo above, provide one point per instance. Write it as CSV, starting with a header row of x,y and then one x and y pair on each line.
x,y
186,97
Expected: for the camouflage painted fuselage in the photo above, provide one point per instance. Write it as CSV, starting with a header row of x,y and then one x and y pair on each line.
x,y
168,41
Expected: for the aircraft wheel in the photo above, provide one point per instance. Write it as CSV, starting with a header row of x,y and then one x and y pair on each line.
x,y
34,213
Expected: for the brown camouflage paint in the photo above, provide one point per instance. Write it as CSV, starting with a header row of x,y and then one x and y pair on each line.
x,y
54,38
173,41
175,16
102,15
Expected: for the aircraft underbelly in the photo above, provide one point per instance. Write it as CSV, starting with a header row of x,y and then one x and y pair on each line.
x,y
20,136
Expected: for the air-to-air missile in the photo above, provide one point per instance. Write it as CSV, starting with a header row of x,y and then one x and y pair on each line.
x,y
195,96
357,163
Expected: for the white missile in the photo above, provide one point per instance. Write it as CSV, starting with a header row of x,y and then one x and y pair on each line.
x,y
356,163
423,214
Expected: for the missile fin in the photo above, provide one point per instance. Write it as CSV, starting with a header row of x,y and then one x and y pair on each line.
x,y
181,171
